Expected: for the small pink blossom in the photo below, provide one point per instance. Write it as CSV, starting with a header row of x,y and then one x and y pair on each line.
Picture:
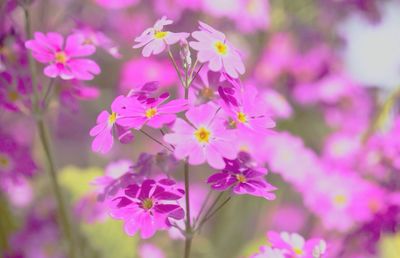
x,y
152,112
155,39
148,207
204,139
99,39
213,47
106,122
63,60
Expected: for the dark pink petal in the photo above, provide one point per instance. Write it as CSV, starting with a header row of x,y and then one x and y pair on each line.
x,y
132,190
166,208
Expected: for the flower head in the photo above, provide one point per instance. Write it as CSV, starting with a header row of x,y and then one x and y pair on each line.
x,y
148,207
63,60
220,54
205,139
243,179
156,39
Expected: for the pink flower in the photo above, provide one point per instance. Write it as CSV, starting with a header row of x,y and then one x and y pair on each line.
x,y
116,4
250,113
64,61
73,90
155,40
268,252
106,122
99,39
148,207
139,71
220,54
151,111
150,251
205,139
243,179
294,245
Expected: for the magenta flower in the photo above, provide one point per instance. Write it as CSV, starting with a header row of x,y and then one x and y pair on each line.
x,y
14,91
155,39
64,61
220,54
106,122
242,179
151,111
294,245
73,91
148,207
205,139
99,39
15,159
250,114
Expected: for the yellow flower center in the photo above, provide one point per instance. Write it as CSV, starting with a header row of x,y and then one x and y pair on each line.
x,y
112,118
61,57
13,95
297,251
4,162
147,203
202,135
160,34
241,178
151,112
221,48
340,199
207,93
241,117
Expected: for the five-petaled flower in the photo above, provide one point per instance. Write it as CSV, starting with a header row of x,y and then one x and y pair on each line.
x,y
205,139
148,207
155,39
213,47
64,61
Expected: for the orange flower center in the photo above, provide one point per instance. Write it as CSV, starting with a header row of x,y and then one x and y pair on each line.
x,y
202,135
61,57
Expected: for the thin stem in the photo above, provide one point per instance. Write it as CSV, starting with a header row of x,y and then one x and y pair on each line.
x,y
56,187
214,204
47,95
175,66
155,140
211,214
194,77
203,206
64,219
188,227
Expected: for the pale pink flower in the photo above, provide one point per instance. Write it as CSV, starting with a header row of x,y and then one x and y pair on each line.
x,y
213,47
63,60
154,40
205,139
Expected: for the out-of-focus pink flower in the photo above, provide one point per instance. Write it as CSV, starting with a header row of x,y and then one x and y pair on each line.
x,y
213,47
139,71
15,159
242,179
99,39
19,191
341,149
268,252
14,91
152,112
64,61
106,122
154,40
205,139
253,15
148,207
294,245
175,8
150,251
116,4
74,90
277,105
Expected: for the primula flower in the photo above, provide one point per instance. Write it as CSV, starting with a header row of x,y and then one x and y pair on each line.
x,y
151,111
155,39
106,122
242,179
294,245
99,39
15,159
14,91
73,90
205,139
63,60
250,112
220,54
148,207
268,252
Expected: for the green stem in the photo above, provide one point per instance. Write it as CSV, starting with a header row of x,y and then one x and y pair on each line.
x,y
63,214
188,227
211,214
176,67
155,140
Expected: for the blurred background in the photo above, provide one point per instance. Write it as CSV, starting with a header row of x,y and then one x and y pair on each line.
x,y
330,71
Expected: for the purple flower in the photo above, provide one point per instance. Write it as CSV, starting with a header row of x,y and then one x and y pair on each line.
x,y
148,207
242,179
